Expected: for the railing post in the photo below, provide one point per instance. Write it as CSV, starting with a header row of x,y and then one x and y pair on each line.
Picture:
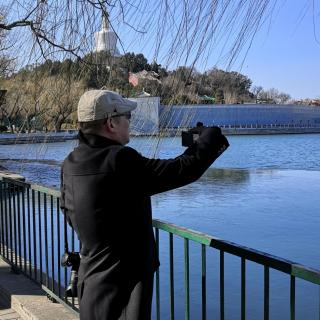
x,y
171,276
29,232
52,244
204,281
18,202
23,203
10,221
221,285
186,279
157,278
33,200
21,225
292,298
40,235
319,301
58,247
243,288
46,249
266,293
2,219
6,217
14,248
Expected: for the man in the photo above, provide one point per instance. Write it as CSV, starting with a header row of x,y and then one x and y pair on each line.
x,y
106,189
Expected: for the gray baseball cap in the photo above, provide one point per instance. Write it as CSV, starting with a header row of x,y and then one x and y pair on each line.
x,y
101,104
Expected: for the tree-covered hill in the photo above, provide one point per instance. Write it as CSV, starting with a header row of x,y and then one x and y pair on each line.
x,y
45,95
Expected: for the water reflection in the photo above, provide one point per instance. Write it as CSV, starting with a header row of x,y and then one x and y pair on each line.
x,y
214,186
226,176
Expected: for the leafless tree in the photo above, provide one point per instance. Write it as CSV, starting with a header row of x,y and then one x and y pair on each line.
x,y
10,108
273,96
59,101
256,92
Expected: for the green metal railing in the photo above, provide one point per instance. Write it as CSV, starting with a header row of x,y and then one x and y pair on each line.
x,y
33,233
268,261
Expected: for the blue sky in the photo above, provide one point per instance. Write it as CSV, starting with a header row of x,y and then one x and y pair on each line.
x,y
286,56
285,53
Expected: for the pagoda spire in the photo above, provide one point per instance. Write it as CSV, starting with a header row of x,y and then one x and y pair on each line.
x,y
105,20
106,38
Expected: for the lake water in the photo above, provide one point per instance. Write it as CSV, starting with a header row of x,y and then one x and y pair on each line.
x,y
263,192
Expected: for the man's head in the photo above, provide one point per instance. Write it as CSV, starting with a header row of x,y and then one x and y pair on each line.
x,y
105,113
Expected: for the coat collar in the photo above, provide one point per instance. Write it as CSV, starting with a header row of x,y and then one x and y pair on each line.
x,y
94,140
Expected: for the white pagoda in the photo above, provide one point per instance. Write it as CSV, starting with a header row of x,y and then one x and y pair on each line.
x,y
106,39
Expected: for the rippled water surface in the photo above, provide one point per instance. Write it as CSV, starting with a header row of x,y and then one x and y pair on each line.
x,y
264,192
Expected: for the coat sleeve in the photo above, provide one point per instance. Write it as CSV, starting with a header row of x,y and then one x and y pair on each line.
x,y
159,175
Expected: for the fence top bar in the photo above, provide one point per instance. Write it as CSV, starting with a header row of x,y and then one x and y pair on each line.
x,y
35,187
49,191
260,257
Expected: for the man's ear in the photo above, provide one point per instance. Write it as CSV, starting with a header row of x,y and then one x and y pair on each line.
x,y
109,125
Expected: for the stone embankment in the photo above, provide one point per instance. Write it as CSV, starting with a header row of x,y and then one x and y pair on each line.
x,y
37,137
246,130
4,173
227,130
270,130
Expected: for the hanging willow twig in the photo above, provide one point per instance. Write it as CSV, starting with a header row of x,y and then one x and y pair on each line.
x,y
179,32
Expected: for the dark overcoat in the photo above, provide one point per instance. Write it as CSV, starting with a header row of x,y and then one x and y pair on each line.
x,y
105,194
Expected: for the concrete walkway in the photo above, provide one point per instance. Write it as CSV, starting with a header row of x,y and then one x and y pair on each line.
x,y
7,313
20,298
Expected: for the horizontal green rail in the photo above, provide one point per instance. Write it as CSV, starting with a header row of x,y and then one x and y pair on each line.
x,y
292,268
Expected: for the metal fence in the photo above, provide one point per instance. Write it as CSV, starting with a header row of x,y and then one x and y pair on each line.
x,y
33,233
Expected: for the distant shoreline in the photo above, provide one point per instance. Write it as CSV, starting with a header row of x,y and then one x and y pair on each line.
x,y
270,131
37,137
40,137
263,130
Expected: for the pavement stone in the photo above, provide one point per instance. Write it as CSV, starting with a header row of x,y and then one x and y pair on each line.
x,y
7,313
23,299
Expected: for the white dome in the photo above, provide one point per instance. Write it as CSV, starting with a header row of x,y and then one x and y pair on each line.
x,y
106,39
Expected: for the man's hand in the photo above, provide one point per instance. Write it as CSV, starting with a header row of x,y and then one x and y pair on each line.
x,y
214,136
